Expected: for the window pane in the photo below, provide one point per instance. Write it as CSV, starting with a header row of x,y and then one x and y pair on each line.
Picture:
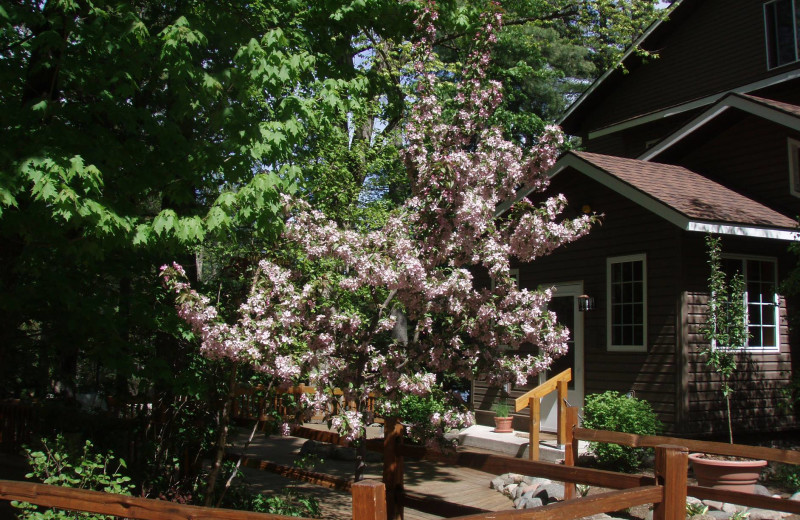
x,y
768,315
638,335
637,271
627,312
770,339
760,283
638,292
780,27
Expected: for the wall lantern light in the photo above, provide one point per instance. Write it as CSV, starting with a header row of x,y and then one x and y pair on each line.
x,y
585,303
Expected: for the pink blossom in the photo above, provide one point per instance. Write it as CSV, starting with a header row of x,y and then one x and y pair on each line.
x,y
334,331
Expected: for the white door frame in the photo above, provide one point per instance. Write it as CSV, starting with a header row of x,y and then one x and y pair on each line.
x,y
549,411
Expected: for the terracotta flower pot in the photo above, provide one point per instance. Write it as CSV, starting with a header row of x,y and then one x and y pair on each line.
x,y
733,475
503,425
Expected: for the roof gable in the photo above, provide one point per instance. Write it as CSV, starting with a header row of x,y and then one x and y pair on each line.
x,y
705,48
681,196
777,112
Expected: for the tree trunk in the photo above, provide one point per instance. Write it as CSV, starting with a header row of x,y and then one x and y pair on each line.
x,y
222,437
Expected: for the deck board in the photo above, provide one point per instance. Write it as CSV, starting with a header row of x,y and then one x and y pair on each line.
x,y
464,486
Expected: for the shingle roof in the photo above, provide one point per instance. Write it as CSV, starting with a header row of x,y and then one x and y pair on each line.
x,y
687,192
777,105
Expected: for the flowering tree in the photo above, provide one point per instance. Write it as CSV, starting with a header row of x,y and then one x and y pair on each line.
x,y
325,310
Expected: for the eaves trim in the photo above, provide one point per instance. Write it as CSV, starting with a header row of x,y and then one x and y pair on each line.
x,y
685,107
749,106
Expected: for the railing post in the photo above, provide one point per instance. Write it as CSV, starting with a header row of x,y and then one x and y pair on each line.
x,y
369,500
672,464
392,468
562,415
570,453
534,403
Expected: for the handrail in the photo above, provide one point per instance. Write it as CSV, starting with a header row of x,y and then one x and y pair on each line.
x,y
533,399
542,390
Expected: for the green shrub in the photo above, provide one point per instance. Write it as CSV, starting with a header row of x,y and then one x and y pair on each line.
x,y
621,413
55,464
429,418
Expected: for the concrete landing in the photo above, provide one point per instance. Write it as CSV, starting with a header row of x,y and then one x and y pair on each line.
x,y
512,444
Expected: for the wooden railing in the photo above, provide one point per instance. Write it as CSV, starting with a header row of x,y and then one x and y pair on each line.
x,y
533,400
667,491
252,402
369,503
576,434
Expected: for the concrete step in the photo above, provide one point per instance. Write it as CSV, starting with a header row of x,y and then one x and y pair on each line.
x,y
512,444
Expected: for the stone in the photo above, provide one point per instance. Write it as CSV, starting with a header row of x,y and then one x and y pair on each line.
x,y
706,516
520,491
540,481
758,489
510,489
693,500
497,483
529,494
732,508
718,515
763,514
550,492
530,503
531,488
796,496
713,504
518,502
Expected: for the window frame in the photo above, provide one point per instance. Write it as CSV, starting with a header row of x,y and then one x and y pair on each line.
x,y
610,346
793,146
769,44
777,301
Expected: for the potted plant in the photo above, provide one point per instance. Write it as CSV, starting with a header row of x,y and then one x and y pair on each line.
x,y
725,329
502,418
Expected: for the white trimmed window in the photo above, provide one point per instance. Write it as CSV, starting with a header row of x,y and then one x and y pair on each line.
x,y
763,318
794,166
626,290
781,31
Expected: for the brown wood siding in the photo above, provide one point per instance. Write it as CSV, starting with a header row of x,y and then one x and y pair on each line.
x,y
720,46
757,400
750,156
626,229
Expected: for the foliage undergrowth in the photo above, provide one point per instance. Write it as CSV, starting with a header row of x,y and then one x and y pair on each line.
x,y
56,464
620,413
428,418
788,476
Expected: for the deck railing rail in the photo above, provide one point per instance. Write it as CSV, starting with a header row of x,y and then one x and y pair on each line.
x,y
666,490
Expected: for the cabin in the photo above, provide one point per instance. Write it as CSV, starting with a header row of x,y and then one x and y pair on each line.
x,y
702,139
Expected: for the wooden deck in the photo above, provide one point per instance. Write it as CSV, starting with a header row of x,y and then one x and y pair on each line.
x,y
458,485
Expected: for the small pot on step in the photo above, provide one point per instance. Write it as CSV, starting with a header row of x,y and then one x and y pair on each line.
x,y
503,419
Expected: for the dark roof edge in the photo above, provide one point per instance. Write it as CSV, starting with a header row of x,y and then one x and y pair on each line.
x,y
749,104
